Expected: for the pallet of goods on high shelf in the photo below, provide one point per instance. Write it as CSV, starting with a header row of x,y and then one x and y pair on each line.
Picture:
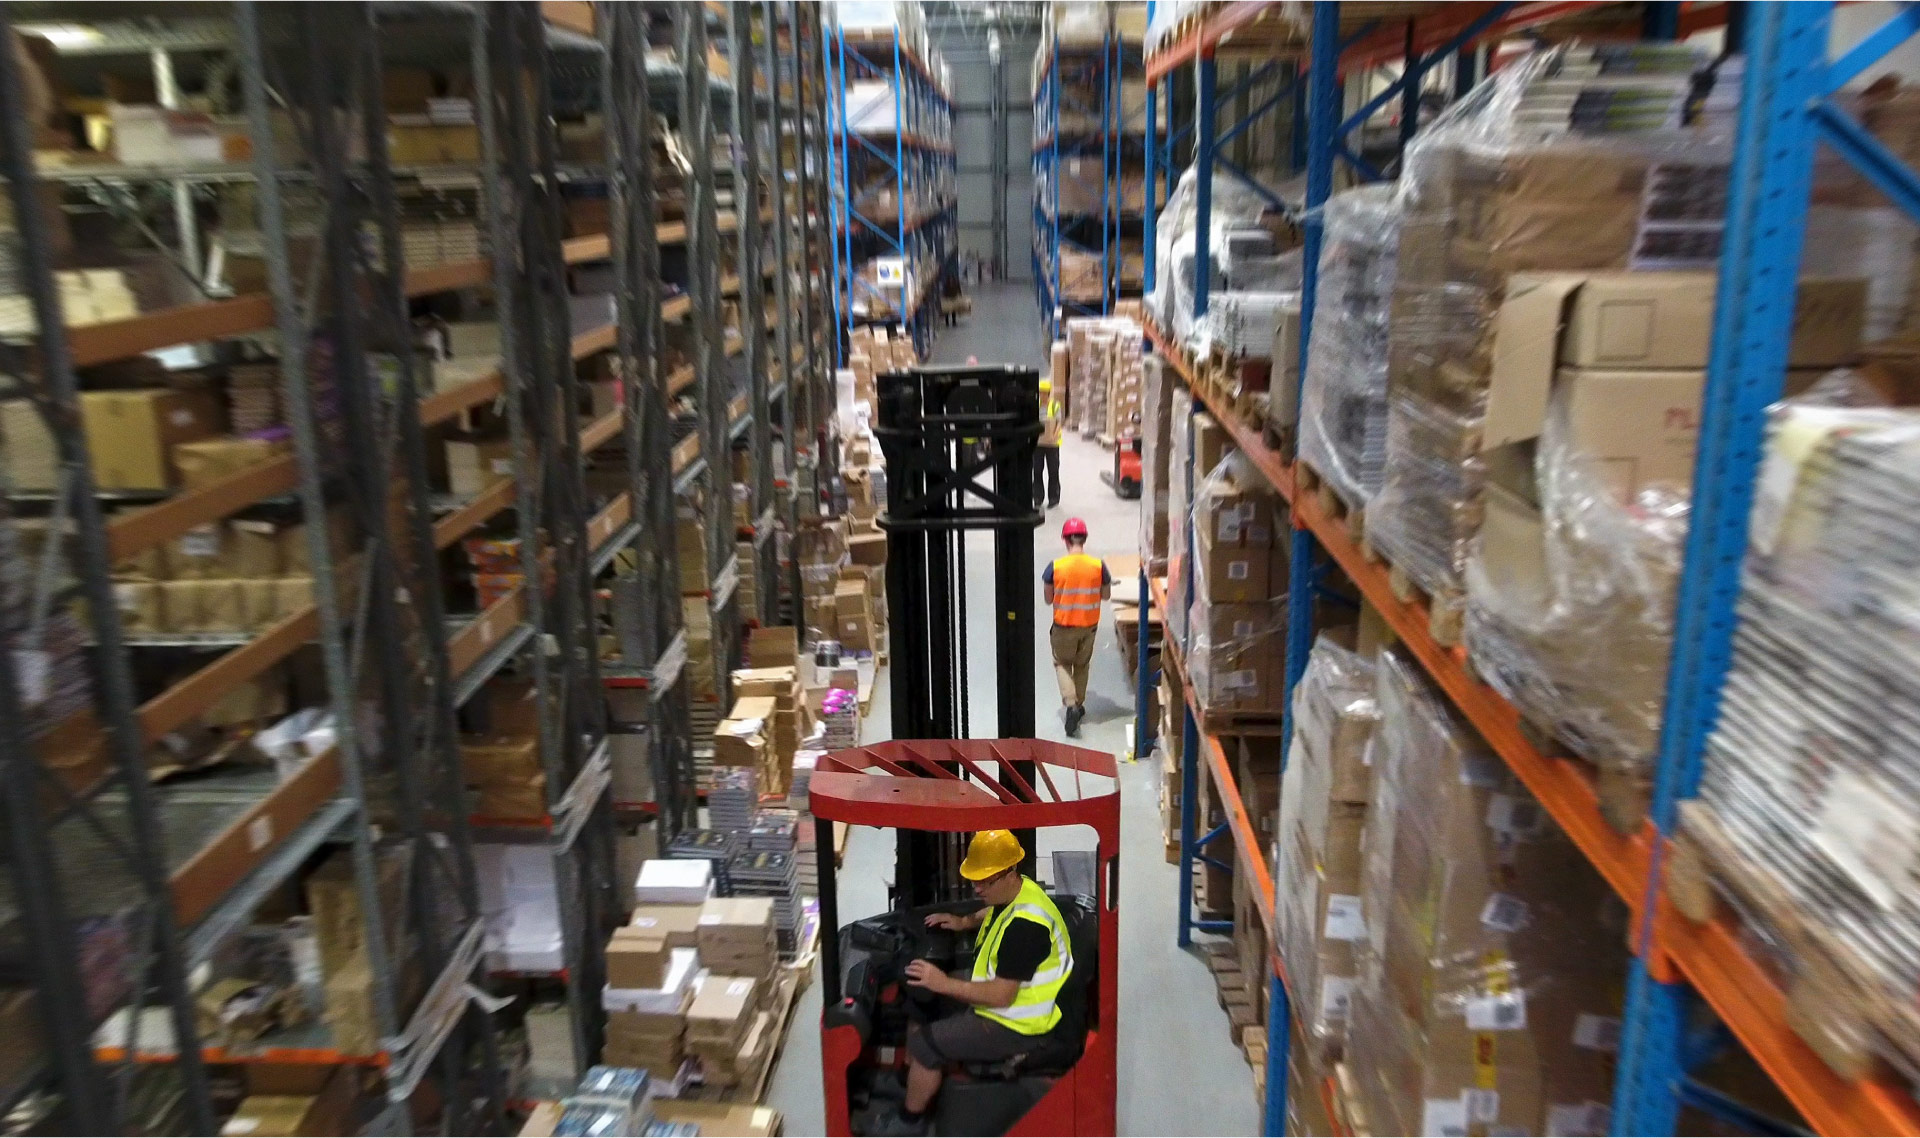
x,y
1244,350
1098,366
1805,835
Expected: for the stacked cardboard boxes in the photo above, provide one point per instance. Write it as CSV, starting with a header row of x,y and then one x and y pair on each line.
x,y
646,1027
726,1029
1488,997
1236,652
1323,808
735,936
1343,411
1588,443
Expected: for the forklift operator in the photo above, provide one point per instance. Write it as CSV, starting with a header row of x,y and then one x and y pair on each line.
x,y
1022,959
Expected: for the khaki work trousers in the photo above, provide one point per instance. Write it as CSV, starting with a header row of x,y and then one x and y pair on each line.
x,y
1072,660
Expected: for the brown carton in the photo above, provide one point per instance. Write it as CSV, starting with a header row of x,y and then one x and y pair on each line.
x,y
131,434
475,464
679,924
208,461
1232,573
637,957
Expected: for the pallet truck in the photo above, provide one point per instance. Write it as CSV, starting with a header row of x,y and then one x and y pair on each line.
x,y
959,449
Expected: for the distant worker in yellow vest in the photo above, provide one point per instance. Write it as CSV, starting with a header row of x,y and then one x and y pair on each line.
x,y
1075,585
1046,456
1022,958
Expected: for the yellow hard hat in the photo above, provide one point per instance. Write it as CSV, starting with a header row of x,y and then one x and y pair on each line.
x,y
1046,385
991,852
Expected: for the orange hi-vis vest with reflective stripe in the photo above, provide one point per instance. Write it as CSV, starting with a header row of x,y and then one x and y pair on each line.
x,y
1076,590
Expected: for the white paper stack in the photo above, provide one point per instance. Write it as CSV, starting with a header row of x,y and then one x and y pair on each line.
x,y
670,881
519,903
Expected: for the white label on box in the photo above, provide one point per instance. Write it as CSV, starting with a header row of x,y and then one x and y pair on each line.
x,y
739,987
1504,1012
645,922
486,632
501,466
247,525
709,918
201,541
1505,913
33,671
180,417
1444,1118
1245,679
1243,630
1579,1120
259,833
1864,829
1336,995
1596,1033
1344,921
127,596
241,1125
1482,1106
1237,570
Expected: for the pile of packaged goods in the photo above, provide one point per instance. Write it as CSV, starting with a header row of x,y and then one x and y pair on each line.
x,y
1236,653
1250,333
1490,952
1096,370
1157,428
690,981
1343,412
1807,809
1544,397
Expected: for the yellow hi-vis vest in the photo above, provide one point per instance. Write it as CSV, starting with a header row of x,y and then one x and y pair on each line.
x,y
1034,1010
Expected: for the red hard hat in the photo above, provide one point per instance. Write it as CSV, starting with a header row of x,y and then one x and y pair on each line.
x,y
1074,528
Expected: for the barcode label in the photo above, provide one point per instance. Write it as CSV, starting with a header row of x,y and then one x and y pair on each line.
x,y
1505,913
1513,814
1344,919
1504,1012
739,987
1445,1117
1237,570
1336,995
1597,1033
1482,1106
259,833
201,541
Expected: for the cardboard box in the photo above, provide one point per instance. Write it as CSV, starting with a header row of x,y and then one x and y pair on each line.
x,y
720,1118
475,464
208,461
1665,320
329,1110
1639,428
131,434
1232,573
1238,655
33,461
637,957
868,548
415,142
679,924
256,548
774,647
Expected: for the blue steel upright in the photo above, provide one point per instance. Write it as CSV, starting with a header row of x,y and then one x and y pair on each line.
x,y
1785,110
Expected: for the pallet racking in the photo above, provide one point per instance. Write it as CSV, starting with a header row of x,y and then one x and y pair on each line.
x,y
1785,109
1073,129
109,874
891,142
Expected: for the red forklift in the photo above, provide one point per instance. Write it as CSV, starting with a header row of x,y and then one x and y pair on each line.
x,y
959,445
1066,1084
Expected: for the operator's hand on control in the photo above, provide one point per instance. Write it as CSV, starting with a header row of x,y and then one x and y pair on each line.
x,y
925,974
951,921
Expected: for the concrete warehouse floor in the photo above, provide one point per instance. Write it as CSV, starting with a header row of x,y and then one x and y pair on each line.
x,y
1179,1071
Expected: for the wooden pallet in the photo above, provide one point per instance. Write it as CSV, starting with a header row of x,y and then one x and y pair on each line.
x,y
1347,1111
1834,1002
789,982
1352,518
1265,724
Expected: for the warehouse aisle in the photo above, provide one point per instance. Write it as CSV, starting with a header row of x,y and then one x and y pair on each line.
x,y
1180,1073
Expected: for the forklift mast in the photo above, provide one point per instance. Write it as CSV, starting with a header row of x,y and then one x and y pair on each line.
x,y
959,447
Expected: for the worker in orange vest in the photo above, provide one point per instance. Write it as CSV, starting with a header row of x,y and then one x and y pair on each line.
x,y
1075,585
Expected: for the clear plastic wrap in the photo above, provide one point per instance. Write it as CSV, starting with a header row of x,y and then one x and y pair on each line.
x,y
1570,602
1156,454
1179,499
1343,408
1489,983
1809,800
1233,207
1497,186
1236,654
1323,807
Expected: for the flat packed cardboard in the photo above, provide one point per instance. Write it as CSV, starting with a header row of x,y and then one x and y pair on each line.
x,y
131,434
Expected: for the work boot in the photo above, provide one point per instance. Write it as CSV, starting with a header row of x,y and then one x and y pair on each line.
x,y
1074,715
